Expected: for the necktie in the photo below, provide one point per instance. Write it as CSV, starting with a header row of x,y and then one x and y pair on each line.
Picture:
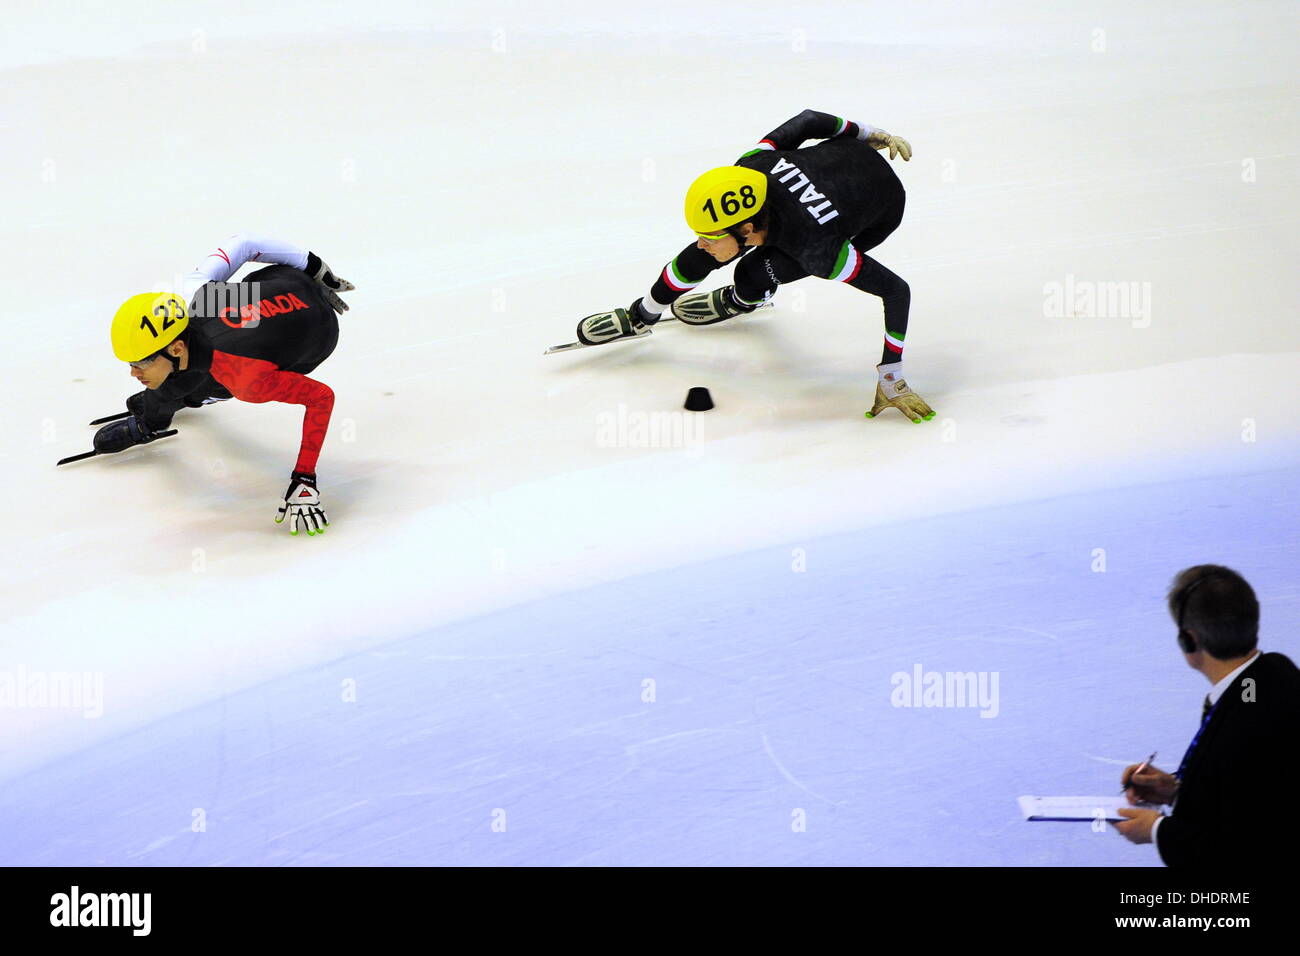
x,y
1206,711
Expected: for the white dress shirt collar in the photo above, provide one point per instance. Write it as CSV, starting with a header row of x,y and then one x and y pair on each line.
x,y
1217,690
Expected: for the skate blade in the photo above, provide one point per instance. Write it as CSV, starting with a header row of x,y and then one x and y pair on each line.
x,y
570,346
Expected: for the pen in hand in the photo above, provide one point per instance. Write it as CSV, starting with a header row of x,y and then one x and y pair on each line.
x,y
1140,767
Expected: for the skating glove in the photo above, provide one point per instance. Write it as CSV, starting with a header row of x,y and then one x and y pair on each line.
x,y
302,505
892,392
121,435
331,285
879,139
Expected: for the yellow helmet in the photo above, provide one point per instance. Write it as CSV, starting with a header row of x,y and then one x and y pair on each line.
x,y
147,323
724,197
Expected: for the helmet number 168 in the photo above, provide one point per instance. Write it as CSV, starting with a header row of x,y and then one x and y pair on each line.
x,y
730,204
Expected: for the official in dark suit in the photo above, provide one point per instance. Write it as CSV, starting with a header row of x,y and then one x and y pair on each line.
x,y
1232,791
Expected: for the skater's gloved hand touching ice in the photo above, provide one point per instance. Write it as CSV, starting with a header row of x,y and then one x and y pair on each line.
x,y
331,285
1146,784
122,434
301,505
897,146
892,392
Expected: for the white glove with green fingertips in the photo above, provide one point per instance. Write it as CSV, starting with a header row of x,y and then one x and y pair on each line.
x,y
301,506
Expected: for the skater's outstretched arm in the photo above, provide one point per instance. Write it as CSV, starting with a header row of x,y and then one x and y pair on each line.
x,y
246,247
242,247
255,380
811,124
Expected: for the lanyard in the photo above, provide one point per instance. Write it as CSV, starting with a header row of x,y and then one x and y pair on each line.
x,y
1197,739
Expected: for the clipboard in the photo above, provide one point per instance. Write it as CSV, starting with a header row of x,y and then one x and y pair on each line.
x,y
1072,809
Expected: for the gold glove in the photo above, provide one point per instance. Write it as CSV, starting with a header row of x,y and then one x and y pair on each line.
x,y
892,392
896,144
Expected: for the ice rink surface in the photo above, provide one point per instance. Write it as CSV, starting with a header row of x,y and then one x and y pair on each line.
x,y
555,620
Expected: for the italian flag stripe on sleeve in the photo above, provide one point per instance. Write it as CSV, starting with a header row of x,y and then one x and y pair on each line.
x,y
762,145
847,264
844,124
676,281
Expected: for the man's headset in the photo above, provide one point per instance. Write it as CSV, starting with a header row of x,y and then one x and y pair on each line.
x,y
1185,639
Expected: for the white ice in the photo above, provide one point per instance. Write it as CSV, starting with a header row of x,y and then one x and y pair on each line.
x,y
566,647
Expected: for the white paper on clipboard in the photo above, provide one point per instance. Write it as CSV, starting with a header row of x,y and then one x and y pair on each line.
x,y
1072,809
